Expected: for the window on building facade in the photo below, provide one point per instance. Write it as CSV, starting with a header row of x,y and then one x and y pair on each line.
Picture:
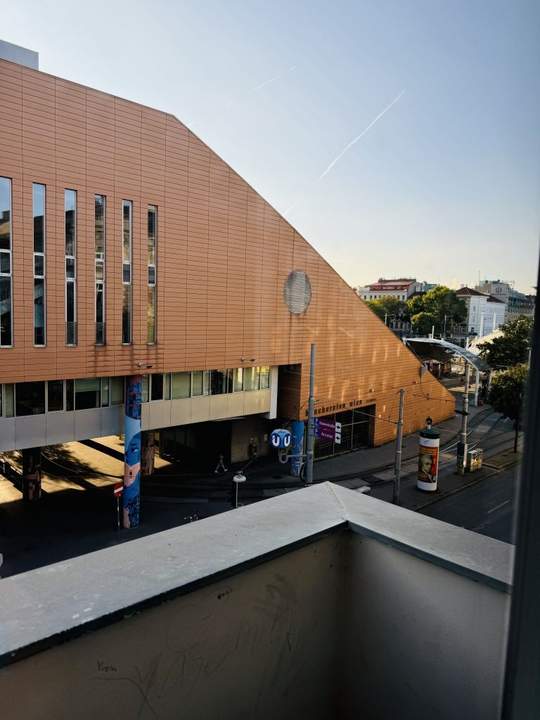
x,y
127,238
200,383
117,390
29,398
70,399
181,385
70,231
99,240
151,289
251,378
105,395
8,400
38,213
156,386
264,377
218,382
55,395
238,378
6,301
87,393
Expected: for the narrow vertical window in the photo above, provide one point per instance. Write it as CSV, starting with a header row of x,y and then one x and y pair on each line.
x,y
127,223
99,231
151,304
70,233
38,214
6,303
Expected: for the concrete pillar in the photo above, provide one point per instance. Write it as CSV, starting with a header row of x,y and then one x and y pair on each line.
x,y
31,474
297,446
132,452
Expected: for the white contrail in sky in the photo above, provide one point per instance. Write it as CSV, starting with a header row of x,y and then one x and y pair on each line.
x,y
273,79
364,131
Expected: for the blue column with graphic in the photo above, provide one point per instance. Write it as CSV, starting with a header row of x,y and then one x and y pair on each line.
x,y
132,452
297,446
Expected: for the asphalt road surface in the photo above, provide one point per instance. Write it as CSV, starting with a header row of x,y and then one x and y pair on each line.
x,y
487,507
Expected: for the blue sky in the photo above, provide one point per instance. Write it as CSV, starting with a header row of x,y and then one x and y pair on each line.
x,y
443,186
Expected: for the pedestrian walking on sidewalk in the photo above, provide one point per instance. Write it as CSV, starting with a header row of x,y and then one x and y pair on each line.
x,y
220,467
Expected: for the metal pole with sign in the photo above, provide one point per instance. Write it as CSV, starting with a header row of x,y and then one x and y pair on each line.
x,y
399,445
311,419
462,444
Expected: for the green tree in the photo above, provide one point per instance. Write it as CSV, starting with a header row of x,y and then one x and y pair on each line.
x,y
442,305
389,307
510,348
507,393
415,305
422,323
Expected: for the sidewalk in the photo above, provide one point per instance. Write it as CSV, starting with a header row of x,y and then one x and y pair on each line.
x,y
266,478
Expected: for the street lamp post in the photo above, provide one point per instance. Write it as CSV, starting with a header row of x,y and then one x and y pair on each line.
x,y
310,443
237,479
462,445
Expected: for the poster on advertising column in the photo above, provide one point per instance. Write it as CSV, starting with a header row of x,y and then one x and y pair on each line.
x,y
428,461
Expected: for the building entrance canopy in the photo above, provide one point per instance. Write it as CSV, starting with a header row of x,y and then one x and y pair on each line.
x,y
442,350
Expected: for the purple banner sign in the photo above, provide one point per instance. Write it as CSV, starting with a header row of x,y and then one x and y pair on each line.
x,y
325,429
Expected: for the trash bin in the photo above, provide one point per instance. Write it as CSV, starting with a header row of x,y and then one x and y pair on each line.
x,y
474,459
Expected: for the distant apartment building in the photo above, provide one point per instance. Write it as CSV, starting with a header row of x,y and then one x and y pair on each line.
x,y
485,312
517,303
400,288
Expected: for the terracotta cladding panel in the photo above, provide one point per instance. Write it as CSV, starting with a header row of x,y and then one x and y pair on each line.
x,y
223,256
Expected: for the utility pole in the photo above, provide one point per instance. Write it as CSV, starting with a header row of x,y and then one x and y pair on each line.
x,y
462,445
444,331
311,418
399,443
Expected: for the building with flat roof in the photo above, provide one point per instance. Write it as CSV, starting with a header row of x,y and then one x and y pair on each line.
x,y
399,288
145,286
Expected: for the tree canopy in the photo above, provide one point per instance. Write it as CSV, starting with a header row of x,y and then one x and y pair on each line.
x,y
440,302
423,322
507,393
510,348
424,311
388,306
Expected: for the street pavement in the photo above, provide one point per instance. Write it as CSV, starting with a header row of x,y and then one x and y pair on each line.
x,y
77,513
486,507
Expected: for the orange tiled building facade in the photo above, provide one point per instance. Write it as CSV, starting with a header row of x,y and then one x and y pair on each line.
x,y
190,264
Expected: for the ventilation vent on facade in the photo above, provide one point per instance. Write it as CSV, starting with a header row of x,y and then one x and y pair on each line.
x,y
297,292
